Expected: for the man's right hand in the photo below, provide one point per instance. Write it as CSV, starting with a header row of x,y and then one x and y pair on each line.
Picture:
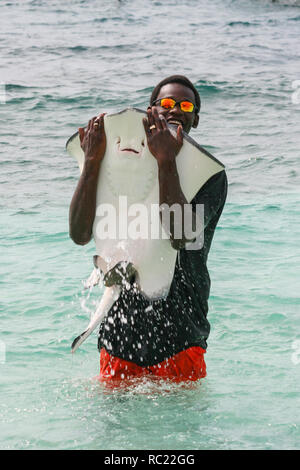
x,y
93,139
83,204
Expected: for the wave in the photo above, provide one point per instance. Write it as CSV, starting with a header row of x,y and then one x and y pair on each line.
x,y
207,87
295,3
243,23
19,87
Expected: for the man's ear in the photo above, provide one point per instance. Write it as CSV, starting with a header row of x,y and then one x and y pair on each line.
x,y
196,121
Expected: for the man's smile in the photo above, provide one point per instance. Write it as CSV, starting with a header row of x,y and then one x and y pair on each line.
x,y
175,122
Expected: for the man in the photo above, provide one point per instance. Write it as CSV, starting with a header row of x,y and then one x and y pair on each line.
x,y
166,337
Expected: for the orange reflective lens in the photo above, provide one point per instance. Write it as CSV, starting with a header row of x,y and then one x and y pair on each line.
x,y
187,106
169,103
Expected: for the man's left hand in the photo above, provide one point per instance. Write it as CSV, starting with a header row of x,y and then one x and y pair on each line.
x,y
162,144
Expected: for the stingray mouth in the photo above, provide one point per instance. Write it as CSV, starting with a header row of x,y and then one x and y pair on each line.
x,y
129,150
134,152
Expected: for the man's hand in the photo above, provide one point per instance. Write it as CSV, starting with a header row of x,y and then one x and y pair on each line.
x,y
162,144
93,139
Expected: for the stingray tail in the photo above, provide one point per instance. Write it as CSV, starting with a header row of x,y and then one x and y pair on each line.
x,y
109,297
80,339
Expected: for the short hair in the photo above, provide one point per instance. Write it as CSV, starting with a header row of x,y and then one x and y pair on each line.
x,y
176,79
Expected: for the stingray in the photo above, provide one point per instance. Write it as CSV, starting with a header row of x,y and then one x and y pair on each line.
x,y
129,178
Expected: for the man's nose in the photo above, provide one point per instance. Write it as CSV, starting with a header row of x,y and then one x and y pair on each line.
x,y
176,110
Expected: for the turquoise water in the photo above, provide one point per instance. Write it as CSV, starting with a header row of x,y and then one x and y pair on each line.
x,y
62,63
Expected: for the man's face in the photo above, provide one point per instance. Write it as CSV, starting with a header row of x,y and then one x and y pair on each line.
x,y
176,116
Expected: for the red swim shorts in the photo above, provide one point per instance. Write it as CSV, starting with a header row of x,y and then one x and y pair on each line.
x,y
186,365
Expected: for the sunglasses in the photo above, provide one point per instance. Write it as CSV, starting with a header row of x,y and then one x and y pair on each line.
x,y
169,103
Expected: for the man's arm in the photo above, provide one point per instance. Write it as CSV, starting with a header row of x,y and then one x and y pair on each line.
x,y
165,147
212,196
83,204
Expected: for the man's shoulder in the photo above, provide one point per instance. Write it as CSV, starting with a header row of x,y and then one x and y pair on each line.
x,y
216,185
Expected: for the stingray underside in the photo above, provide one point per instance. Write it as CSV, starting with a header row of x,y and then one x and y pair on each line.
x,y
129,179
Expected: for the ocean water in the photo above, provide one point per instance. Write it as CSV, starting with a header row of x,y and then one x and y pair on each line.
x,y
61,64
